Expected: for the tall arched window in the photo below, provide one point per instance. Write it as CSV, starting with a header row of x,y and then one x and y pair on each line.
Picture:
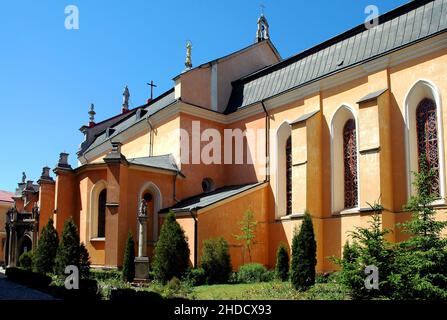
x,y
350,164
427,139
102,214
289,174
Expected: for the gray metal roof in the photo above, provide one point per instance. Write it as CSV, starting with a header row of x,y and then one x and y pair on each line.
x,y
206,199
126,122
372,96
398,28
165,162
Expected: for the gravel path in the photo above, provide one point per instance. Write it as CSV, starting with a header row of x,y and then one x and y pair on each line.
x,y
13,291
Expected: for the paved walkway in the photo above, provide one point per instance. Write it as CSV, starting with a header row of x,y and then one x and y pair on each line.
x,y
13,291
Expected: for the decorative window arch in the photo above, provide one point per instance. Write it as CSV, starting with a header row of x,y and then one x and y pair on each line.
x,y
97,214
154,191
344,160
283,134
423,134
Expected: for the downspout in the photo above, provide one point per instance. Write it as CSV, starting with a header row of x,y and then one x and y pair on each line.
x,y
174,189
267,142
150,134
193,213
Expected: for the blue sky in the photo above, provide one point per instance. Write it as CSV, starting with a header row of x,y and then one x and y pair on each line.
x,y
50,75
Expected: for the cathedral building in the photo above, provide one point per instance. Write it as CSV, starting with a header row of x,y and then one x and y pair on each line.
x,y
328,130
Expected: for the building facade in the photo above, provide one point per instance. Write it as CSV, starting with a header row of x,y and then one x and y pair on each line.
x,y
329,130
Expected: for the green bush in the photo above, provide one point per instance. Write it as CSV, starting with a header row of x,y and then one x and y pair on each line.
x,y
282,263
133,296
45,253
216,261
253,272
88,291
105,274
196,276
71,252
129,260
28,278
26,260
304,252
171,258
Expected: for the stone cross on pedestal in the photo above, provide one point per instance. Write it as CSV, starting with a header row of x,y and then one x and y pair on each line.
x,y
142,261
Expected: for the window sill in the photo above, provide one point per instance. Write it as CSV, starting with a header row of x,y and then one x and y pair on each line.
x,y
97,239
347,212
292,216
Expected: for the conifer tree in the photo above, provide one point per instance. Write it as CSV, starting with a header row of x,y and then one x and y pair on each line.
x,y
129,259
171,257
304,250
68,252
84,261
45,254
282,263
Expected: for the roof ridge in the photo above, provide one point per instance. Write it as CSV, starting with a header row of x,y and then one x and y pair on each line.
x,y
400,10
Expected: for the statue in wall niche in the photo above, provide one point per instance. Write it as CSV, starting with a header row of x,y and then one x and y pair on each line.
x,y
35,212
142,212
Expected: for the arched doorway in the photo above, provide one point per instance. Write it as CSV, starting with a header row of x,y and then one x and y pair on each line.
x,y
26,244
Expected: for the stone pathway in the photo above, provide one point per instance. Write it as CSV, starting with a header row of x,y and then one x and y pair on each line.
x,y
13,291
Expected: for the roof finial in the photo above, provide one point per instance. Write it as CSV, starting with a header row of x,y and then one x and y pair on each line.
x,y
126,95
188,63
263,27
92,115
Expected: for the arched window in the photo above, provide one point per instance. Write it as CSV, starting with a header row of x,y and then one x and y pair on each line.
x,y
289,174
350,164
102,214
427,139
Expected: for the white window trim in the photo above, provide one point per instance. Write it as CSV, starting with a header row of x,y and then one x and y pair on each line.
x,y
411,125
283,132
353,112
93,210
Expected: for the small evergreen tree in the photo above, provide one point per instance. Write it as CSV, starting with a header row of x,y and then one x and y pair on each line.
x,y
129,259
84,261
304,250
216,261
25,260
248,229
45,253
420,268
68,252
171,258
282,263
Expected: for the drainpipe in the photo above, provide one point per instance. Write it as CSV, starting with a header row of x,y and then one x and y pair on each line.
x,y
150,134
174,192
267,143
193,213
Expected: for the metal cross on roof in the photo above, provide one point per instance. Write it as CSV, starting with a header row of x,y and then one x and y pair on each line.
x,y
152,85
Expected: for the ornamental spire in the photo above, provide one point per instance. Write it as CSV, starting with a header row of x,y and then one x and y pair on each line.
x,y
263,27
91,114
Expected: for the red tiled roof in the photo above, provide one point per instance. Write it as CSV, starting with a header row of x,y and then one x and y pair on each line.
x,y
6,196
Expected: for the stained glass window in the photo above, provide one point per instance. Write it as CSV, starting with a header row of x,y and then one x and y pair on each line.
x,y
350,164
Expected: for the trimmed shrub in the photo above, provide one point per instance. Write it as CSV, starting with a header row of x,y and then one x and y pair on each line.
x,y
88,290
84,262
45,253
129,260
68,252
131,295
28,278
216,261
196,276
282,263
304,255
253,272
26,260
171,258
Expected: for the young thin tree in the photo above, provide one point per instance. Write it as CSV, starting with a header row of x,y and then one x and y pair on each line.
x,y
129,259
304,255
248,229
45,254
171,258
